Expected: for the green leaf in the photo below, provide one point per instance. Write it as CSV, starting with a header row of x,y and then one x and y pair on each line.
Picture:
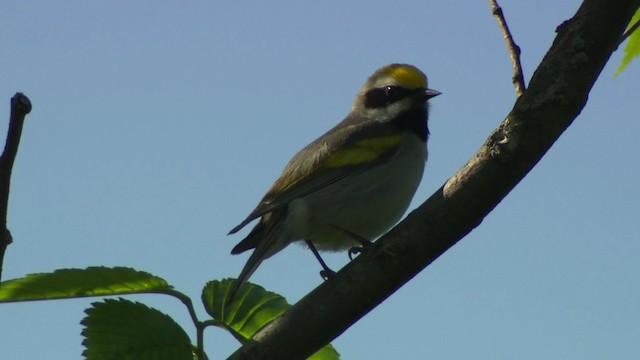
x,y
326,353
632,49
252,309
74,283
122,329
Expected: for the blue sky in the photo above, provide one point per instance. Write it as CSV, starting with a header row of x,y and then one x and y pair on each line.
x,y
157,126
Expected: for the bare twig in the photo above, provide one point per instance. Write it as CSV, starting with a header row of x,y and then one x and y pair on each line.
x,y
514,49
20,107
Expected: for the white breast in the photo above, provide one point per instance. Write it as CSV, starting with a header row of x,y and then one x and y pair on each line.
x,y
367,204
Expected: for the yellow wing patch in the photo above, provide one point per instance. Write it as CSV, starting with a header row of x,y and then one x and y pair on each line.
x,y
362,151
407,76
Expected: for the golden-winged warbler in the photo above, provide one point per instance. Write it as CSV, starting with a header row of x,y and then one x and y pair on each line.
x,y
353,183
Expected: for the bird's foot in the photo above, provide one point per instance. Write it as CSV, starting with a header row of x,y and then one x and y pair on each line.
x,y
327,274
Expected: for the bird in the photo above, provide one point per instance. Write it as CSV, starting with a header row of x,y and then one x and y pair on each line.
x,y
351,184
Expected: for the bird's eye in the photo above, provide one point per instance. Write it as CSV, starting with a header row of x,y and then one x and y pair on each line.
x,y
391,92
384,96
395,93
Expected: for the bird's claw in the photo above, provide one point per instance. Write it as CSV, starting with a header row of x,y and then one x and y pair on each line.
x,y
327,274
355,251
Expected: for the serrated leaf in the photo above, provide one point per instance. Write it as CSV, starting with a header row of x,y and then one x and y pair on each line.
x,y
632,49
74,283
253,308
122,329
328,352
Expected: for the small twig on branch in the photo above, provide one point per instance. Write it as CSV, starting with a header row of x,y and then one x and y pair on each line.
x,y
20,107
629,31
514,49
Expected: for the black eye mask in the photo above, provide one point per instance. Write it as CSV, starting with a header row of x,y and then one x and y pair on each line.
x,y
381,97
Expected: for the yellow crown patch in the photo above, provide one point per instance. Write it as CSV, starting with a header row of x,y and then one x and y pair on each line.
x,y
407,76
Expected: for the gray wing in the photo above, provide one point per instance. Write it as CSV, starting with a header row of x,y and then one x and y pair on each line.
x,y
305,173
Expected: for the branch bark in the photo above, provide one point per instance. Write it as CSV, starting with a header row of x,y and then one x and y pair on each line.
x,y
630,30
20,107
557,93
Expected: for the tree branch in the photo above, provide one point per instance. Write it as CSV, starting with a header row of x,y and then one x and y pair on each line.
x,y
557,93
20,107
629,31
512,47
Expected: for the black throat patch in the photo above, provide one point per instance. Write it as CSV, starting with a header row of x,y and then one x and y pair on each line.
x,y
414,120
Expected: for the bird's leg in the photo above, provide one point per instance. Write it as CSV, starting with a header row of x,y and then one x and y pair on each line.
x,y
326,272
364,243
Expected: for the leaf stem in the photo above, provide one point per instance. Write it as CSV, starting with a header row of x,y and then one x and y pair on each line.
x,y
200,326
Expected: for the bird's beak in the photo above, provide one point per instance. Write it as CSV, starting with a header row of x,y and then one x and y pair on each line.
x,y
430,93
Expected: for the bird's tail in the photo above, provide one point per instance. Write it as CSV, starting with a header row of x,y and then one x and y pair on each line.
x,y
267,240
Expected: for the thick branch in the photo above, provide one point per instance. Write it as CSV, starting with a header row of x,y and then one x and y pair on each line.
x,y
512,47
20,107
629,31
557,93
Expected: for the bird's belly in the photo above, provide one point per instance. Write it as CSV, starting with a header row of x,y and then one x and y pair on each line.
x,y
366,204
